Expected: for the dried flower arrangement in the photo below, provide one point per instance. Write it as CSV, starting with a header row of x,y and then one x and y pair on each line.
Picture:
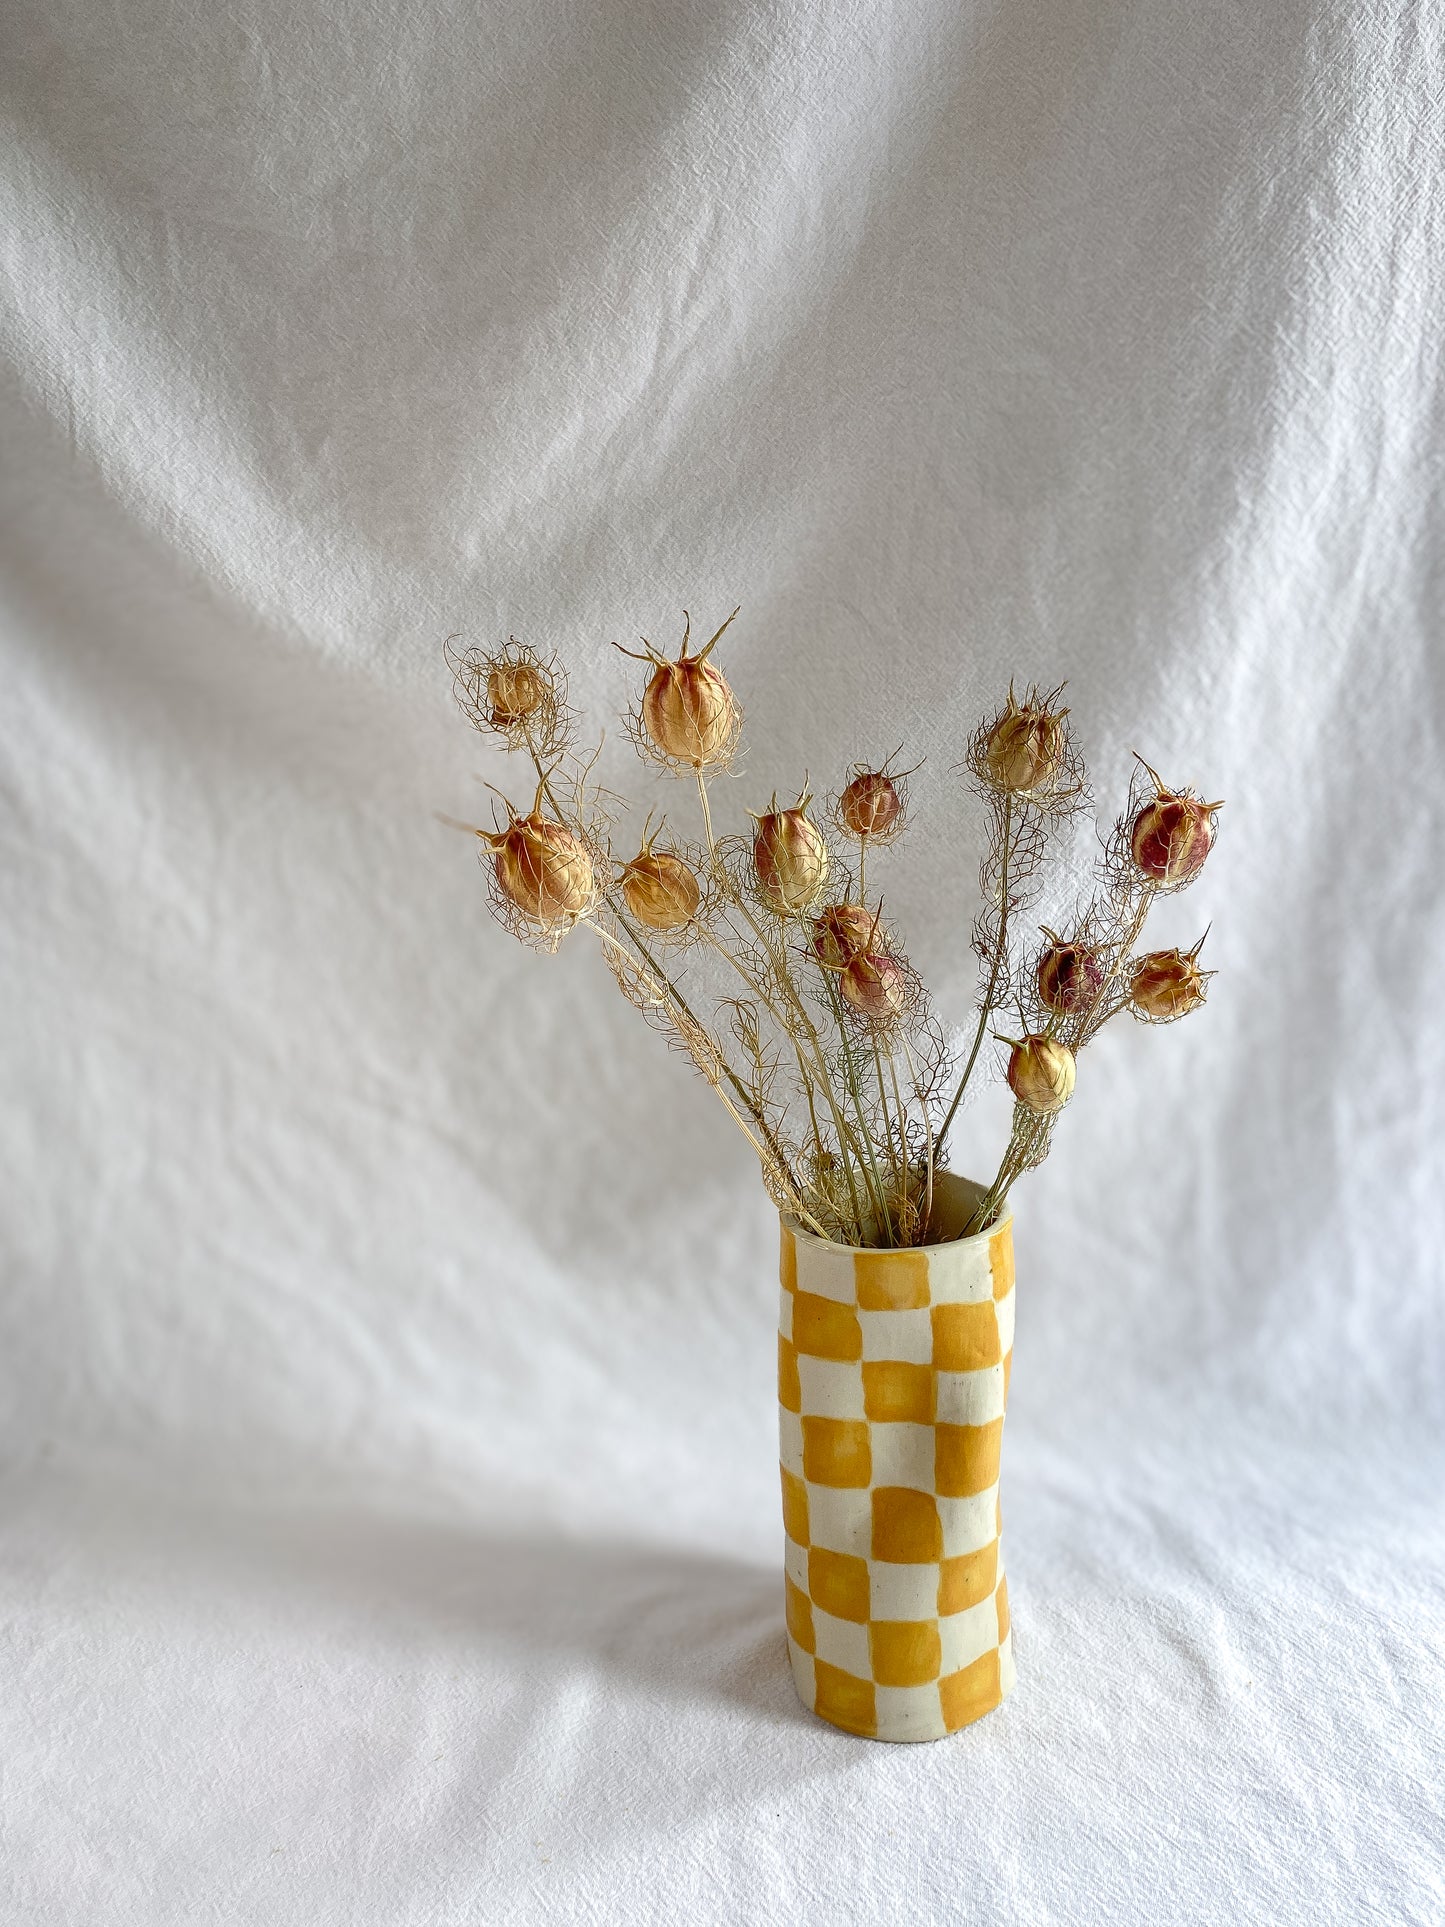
x,y
822,1044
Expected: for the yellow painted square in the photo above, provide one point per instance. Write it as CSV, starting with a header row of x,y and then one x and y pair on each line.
x,y
965,1337
846,1701
965,1458
1001,1261
1007,1368
969,1694
906,1527
1000,1599
839,1584
891,1280
905,1652
790,1392
788,1261
898,1393
800,1615
836,1451
795,1507
967,1580
825,1329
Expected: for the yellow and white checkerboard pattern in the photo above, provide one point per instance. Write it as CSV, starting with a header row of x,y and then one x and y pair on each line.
x,y
893,1371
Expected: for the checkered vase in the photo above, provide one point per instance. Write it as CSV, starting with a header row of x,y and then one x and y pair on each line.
x,y
893,1371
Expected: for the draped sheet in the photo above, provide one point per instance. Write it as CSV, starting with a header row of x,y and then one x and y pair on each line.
x,y
390,1510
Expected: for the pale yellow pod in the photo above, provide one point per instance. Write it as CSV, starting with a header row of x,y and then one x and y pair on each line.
x,y
1041,1074
688,711
515,690
1025,748
790,859
661,891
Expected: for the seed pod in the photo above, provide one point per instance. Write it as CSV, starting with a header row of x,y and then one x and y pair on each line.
x,y
515,694
660,889
542,867
790,858
874,985
1171,836
515,691
871,806
1167,984
688,711
840,931
1026,747
1069,975
1041,1074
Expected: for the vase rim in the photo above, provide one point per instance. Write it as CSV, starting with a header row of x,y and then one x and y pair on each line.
x,y
953,1181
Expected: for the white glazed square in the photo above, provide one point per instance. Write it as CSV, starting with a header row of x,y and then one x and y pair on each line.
x,y
904,1335
832,1388
841,1642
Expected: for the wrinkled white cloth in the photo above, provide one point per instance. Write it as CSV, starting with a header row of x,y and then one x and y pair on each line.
x,y
390,1515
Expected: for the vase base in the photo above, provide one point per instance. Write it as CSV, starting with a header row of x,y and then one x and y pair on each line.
x,y
904,1714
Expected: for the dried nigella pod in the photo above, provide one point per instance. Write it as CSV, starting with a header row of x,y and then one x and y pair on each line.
x,y
1041,1073
874,986
1025,748
515,694
1070,975
515,690
689,718
1171,835
790,857
1023,761
542,868
1165,984
660,890
872,805
841,930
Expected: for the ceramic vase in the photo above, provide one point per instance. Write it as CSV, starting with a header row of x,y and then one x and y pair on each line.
x,y
893,1372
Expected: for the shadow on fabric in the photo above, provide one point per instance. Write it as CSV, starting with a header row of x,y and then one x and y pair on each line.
x,y
646,1621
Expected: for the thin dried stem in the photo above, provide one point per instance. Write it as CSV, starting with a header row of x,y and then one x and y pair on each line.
x,y
850,1076
683,1009
996,969
777,957
928,1138
707,1056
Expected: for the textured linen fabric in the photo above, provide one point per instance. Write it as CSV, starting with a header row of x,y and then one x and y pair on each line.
x,y
390,1507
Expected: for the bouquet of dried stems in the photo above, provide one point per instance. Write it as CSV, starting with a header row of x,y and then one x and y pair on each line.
x,y
764,959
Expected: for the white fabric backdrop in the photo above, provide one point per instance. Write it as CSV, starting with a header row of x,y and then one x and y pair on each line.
x,y
390,1506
